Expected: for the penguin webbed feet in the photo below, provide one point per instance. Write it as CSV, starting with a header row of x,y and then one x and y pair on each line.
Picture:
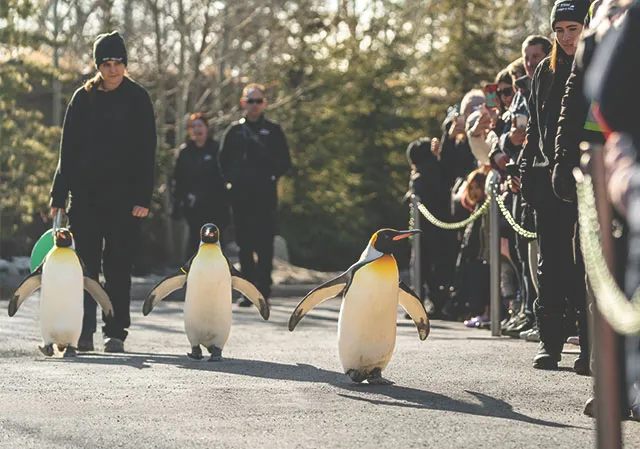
x,y
373,377
70,352
216,354
47,349
196,353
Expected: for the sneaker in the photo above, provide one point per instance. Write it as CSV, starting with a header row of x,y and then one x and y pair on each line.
x,y
531,335
244,302
523,323
85,344
546,358
574,340
476,321
113,345
582,366
590,408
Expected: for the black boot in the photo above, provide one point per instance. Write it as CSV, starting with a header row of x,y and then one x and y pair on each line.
x,y
551,341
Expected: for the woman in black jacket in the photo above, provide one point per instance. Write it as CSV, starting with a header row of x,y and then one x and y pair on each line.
x,y
106,167
199,194
555,219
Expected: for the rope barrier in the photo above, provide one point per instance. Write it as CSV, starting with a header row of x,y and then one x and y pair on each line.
x,y
622,314
512,222
456,225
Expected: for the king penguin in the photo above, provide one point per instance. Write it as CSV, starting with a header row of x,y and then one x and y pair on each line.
x,y
371,291
207,306
62,280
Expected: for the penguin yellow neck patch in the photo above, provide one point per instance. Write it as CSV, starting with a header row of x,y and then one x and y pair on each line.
x,y
385,265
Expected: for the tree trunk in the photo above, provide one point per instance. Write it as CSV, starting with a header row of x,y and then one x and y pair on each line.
x,y
56,86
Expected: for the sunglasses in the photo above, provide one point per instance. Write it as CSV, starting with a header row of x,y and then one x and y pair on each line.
x,y
506,92
254,100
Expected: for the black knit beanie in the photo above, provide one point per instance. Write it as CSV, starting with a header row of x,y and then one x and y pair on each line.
x,y
569,10
109,47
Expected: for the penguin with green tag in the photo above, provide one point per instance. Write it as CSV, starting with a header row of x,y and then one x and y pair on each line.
x,y
209,279
371,291
62,279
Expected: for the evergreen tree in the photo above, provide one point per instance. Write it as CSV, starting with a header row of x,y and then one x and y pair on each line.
x,y
27,147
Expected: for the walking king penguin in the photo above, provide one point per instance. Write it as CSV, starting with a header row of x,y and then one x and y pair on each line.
x,y
62,280
207,306
371,291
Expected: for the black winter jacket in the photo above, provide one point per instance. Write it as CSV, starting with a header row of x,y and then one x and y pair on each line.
x,y
575,109
547,90
427,180
253,155
198,188
108,148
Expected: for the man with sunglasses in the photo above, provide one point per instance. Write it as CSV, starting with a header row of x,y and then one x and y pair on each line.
x,y
253,156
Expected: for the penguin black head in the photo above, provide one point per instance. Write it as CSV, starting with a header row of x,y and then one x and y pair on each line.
x,y
386,240
63,238
209,233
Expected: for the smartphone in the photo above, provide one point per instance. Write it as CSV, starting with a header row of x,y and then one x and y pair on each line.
x,y
513,169
521,121
491,92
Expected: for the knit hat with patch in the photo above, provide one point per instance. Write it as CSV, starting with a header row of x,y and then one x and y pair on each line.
x,y
569,10
109,47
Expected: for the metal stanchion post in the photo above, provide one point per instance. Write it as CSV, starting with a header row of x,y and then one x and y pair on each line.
x,y
494,261
416,282
607,388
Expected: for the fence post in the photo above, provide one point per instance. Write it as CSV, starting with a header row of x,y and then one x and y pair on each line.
x,y
494,258
415,272
604,342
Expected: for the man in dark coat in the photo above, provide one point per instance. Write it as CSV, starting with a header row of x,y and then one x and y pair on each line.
x,y
253,156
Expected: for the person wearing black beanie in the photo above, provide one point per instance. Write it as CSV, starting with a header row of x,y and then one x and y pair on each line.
x,y
106,174
561,279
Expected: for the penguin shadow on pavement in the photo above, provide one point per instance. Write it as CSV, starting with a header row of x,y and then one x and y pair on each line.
x,y
398,396
390,395
138,360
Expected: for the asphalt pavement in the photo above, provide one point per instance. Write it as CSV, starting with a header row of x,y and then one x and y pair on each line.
x,y
460,388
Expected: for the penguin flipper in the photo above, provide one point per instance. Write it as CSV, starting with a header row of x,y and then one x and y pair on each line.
x,y
99,295
414,307
252,293
163,289
26,288
318,295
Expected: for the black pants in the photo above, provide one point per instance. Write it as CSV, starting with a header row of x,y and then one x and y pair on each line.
x,y
107,236
433,261
521,210
255,226
560,272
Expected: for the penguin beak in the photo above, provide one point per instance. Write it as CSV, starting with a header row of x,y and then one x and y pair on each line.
x,y
404,234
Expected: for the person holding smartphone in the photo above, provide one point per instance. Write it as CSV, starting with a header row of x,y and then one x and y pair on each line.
x,y
534,49
106,170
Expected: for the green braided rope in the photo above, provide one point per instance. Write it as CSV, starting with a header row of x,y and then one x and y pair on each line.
x,y
622,314
457,225
507,215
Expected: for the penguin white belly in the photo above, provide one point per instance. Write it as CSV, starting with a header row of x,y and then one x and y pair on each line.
x,y
367,322
207,308
61,298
